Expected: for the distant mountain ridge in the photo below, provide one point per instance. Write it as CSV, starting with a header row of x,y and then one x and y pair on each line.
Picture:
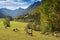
x,y
34,5
2,15
12,13
20,11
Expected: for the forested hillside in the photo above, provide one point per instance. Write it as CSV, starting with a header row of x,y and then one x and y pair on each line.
x,y
49,12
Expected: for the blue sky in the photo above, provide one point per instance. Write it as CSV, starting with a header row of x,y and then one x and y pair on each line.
x,y
15,4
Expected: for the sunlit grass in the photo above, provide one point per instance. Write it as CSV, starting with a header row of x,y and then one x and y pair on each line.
x,y
8,34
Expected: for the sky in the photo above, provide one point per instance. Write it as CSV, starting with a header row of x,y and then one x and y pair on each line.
x,y
15,4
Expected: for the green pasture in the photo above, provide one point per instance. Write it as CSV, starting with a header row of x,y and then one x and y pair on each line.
x,y
9,34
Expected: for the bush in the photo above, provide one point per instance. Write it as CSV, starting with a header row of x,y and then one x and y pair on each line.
x,y
34,26
6,22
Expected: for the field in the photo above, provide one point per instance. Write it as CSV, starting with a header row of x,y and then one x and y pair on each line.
x,y
8,34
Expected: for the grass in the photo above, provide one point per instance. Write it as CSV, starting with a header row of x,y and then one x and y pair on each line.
x,y
8,34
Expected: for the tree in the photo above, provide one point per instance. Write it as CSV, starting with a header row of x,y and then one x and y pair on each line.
x,y
7,22
50,15
49,12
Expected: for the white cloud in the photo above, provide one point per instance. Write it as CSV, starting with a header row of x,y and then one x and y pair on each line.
x,y
2,0
13,4
11,8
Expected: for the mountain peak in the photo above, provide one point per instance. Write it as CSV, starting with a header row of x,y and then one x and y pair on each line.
x,y
34,5
20,11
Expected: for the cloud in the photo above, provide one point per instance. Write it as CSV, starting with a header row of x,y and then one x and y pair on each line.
x,y
15,4
2,0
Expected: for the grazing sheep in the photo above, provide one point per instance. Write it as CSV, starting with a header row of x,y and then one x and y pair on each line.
x,y
56,35
15,29
30,32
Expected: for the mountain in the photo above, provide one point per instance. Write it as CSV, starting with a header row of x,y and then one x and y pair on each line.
x,y
33,6
2,15
20,11
12,13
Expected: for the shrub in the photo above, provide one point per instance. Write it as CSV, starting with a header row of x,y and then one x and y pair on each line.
x,y
7,22
34,26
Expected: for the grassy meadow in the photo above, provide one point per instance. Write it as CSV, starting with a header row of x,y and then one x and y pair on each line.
x,y
9,34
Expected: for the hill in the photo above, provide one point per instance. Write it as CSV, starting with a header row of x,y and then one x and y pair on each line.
x,y
49,11
20,11
12,13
